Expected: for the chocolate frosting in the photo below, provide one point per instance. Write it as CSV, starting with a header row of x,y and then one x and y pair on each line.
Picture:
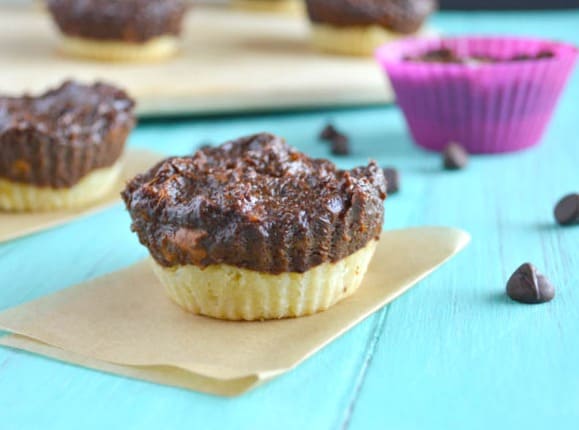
x,y
133,21
55,139
255,203
402,16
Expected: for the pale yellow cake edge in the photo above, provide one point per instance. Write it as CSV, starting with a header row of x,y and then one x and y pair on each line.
x,y
20,197
354,41
231,293
274,6
156,49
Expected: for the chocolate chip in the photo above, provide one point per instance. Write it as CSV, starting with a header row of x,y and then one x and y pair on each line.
x,y
567,210
329,132
455,157
392,180
527,285
340,145
338,140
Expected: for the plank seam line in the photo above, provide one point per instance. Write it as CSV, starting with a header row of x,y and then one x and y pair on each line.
x,y
4,362
370,350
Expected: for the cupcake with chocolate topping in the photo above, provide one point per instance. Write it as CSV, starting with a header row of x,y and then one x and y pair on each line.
x,y
62,149
254,229
358,27
119,30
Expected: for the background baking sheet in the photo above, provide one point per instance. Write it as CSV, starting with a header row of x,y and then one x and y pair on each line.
x,y
231,61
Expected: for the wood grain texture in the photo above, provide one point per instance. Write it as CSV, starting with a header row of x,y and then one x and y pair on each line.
x,y
453,353
230,62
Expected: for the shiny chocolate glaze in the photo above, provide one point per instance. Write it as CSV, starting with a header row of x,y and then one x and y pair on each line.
x,y
55,139
133,21
402,16
255,203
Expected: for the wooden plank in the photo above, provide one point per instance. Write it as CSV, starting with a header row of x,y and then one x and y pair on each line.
x,y
231,61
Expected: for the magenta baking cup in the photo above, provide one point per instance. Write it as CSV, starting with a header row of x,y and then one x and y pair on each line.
x,y
488,108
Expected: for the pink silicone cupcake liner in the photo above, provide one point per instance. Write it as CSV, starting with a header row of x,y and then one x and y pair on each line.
x,y
488,108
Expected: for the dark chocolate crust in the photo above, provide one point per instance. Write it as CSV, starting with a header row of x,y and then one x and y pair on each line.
x,y
255,203
57,138
401,16
132,21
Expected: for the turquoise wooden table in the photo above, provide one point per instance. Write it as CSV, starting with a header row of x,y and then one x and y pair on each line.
x,y
453,353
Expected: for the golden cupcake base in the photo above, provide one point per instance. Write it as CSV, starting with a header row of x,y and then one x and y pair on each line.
x,y
276,6
19,197
156,49
231,293
355,41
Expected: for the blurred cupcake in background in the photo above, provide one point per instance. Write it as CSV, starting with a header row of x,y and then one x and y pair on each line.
x,y
62,149
119,30
490,94
358,27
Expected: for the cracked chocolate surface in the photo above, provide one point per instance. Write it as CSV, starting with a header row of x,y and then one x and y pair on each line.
x,y
255,203
54,139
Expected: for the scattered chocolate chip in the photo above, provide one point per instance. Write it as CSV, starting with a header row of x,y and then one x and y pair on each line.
x,y
527,285
340,145
567,210
392,180
455,157
338,140
329,132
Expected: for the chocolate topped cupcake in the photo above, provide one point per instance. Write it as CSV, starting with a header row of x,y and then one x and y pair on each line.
x,y
253,229
62,149
119,29
358,27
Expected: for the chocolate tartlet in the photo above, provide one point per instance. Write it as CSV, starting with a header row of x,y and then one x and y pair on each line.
x,y
119,30
253,229
62,149
358,27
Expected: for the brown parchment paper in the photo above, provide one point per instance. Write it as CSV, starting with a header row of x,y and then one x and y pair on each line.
x,y
14,225
123,323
